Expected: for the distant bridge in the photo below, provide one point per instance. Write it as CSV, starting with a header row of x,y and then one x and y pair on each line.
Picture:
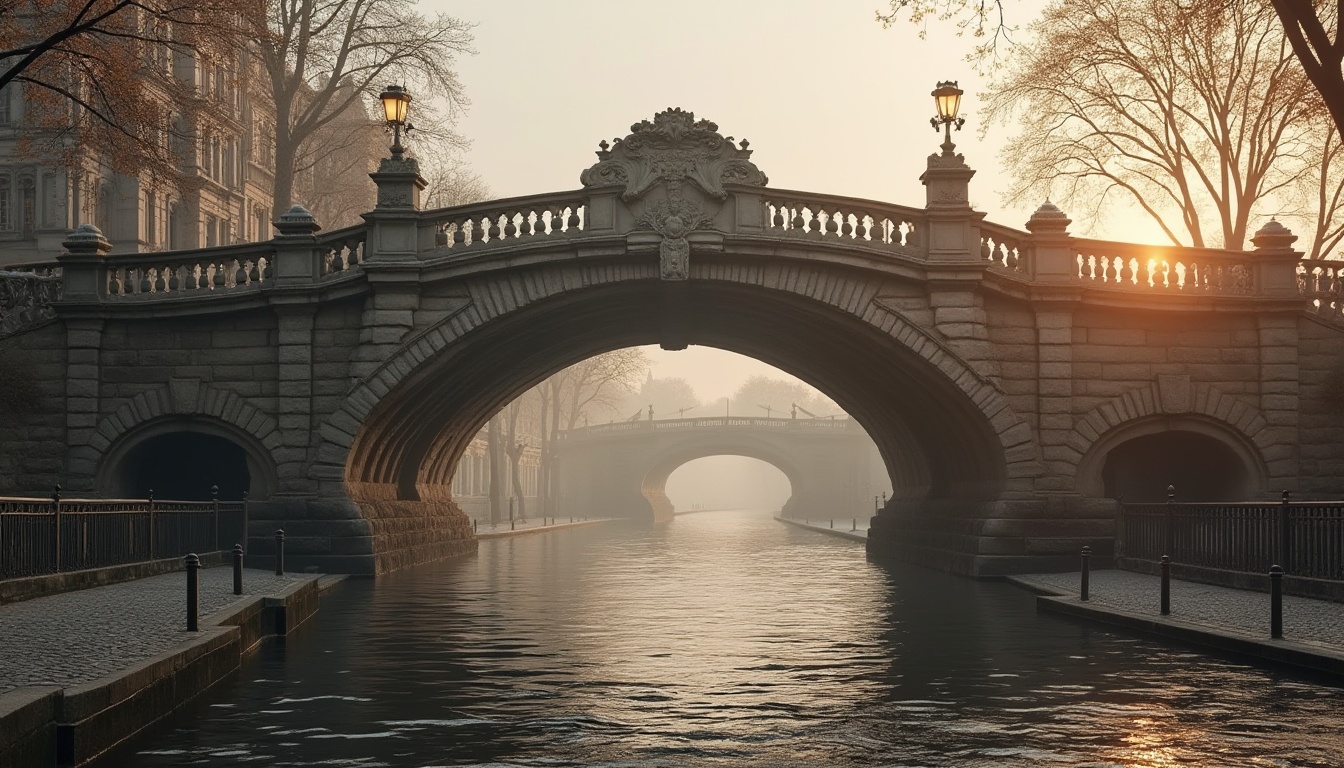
x,y
622,468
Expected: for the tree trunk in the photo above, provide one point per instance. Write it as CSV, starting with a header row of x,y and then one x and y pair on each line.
x,y
495,455
549,434
515,451
286,150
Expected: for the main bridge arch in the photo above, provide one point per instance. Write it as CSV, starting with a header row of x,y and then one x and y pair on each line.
x,y
622,468
944,432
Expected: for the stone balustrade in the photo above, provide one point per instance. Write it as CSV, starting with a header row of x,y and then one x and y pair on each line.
x,y
1319,281
862,222
26,295
184,274
341,253
720,422
1127,266
512,221
1005,248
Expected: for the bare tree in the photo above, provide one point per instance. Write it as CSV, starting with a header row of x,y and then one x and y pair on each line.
x,y
96,74
766,396
1310,26
1200,117
322,57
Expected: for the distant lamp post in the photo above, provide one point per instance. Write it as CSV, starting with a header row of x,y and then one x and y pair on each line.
x,y
947,96
396,105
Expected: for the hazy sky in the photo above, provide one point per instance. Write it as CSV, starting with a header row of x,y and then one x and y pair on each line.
x,y
830,100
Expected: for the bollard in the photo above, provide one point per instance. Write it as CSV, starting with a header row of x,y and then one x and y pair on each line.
x,y
279,552
237,569
855,525
1276,602
832,523
193,592
1166,585
1083,588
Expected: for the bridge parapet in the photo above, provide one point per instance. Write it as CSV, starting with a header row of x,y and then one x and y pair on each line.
x,y
27,293
621,428
863,222
496,223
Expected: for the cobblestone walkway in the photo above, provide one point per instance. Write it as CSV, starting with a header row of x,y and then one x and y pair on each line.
x,y
1317,621
76,637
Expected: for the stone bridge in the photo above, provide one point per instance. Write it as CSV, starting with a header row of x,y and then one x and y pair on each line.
x,y
1015,382
622,468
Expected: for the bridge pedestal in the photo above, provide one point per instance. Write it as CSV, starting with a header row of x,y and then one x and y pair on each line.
x,y
994,538
364,537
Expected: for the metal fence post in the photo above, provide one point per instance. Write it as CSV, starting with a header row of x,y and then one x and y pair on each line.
x,y
1275,601
56,527
193,592
237,569
246,515
152,533
1285,539
1166,585
279,552
214,505
1086,575
1168,537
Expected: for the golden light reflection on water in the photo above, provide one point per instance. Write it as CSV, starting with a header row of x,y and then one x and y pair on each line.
x,y
1152,743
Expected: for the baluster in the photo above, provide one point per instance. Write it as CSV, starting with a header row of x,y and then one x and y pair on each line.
x,y
985,253
876,229
847,227
459,234
510,229
1128,268
798,222
1013,257
216,276
777,221
525,227
573,222
235,272
1080,261
1109,272
832,223
493,232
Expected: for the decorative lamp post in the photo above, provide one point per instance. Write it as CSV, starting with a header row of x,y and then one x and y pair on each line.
x,y
947,97
396,104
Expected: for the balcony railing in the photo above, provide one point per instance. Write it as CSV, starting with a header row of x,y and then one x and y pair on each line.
x,y
26,296
44,536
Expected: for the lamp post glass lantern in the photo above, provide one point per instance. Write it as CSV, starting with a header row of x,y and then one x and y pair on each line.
x,y
947,99
396,105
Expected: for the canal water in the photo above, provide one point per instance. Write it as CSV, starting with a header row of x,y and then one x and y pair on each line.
x,y
727,638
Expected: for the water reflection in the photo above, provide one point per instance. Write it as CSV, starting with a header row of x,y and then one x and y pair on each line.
x,y
728,639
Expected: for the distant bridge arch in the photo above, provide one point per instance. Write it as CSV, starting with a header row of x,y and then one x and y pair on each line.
x,y
622,468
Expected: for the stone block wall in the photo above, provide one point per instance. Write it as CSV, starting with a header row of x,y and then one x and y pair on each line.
x,y
32,411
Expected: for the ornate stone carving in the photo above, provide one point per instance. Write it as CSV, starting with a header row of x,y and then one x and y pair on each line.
x,y
672,171
673,148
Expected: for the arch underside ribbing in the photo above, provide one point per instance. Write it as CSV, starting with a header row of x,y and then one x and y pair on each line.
x,y
936,442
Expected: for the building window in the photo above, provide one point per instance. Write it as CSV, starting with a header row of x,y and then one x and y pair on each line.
x,y
28,206
211,231
6,111
6,204
151,218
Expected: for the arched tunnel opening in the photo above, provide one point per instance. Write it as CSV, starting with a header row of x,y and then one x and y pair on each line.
x,y
1198,467
183,466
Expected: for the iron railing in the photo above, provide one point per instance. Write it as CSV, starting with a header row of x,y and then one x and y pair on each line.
x,y
44,536
1305,537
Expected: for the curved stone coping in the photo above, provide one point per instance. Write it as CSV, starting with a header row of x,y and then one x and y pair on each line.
x,y
1315,656
844,534
540,529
